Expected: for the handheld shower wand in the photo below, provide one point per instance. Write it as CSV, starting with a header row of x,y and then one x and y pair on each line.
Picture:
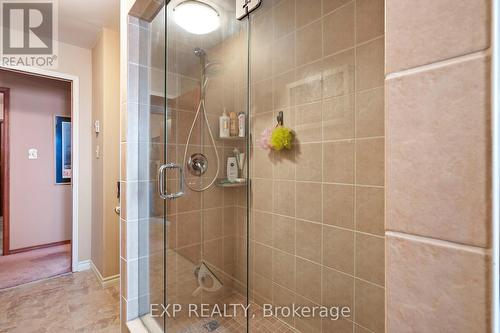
x,y
202,109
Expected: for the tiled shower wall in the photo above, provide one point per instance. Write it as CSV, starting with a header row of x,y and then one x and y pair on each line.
x,y
317,230
438,166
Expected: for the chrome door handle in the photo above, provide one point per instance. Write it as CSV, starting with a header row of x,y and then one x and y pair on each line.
x,y
161,181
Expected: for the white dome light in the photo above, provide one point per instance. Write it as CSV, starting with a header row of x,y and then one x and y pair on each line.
x,y
196,17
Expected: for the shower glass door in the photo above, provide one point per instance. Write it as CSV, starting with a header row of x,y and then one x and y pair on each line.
x,y
196,234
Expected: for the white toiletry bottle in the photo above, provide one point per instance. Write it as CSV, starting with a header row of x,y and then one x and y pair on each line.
x,y
224,125
241,125
232,169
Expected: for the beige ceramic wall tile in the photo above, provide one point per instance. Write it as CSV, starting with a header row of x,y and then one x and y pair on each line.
x,y
283,297
308,279
283,269
262,195
283,54
283,233
370,258
369,308
369,19
337,326
262,228
338,118
308,123
338,30
438,157
436,287
282,94
370,162
284,197
329,5
338,162
284,18
308,240
370,64
308,201
338,249
309,10
308,43
338,205
263,260
370,210
307,85
308,162
338,74
370,113
307,325
338,289
423,32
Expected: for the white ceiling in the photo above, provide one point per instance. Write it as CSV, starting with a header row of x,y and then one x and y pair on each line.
x,y
81,20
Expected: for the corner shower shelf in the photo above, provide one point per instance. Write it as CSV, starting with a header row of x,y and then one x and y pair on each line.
x,y
226,183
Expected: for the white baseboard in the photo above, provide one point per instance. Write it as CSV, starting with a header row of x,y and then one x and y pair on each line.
x,y
105,281
83,265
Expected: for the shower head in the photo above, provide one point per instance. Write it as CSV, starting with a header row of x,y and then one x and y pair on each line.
x,y
209,68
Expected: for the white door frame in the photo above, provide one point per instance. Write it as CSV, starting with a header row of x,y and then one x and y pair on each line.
x,y
75,114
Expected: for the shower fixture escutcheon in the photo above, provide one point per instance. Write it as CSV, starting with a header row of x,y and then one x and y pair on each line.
x,y
197,164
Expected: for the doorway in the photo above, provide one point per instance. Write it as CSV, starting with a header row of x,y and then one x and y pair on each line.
x,y
4,188
36,170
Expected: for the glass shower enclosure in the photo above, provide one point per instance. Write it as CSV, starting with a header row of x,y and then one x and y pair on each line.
x,y
194,231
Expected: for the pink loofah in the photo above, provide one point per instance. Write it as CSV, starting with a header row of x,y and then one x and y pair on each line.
x,y
265,136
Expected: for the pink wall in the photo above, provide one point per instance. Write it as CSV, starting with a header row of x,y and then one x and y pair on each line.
x,y
40,211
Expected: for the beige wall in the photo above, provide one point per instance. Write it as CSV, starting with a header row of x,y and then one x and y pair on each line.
x,y
76,61
105,165
34,102
438,146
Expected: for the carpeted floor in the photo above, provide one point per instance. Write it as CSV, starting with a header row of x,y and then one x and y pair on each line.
x,y
25,267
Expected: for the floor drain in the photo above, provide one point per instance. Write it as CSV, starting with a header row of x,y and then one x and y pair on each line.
x,y
212,325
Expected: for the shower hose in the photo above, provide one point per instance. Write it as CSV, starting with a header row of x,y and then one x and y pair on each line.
x,y
201,108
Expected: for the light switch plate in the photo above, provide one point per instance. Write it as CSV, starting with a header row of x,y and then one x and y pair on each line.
x,y
245,7
33,154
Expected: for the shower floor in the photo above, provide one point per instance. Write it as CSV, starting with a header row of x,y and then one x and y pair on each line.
x,y
231,325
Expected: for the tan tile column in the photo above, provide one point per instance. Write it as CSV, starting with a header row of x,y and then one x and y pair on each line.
x,y
438,166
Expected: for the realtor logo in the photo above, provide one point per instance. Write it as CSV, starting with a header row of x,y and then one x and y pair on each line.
x,y
29,33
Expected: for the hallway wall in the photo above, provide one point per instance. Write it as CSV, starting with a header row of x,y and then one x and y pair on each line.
x,y
105,167
40,209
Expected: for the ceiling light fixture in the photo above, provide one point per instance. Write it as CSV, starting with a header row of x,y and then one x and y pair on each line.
x,y
196,17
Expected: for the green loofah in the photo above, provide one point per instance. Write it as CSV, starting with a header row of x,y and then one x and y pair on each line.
x,y
281,137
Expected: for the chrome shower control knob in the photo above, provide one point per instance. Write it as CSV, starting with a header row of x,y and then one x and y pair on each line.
x,y
197,164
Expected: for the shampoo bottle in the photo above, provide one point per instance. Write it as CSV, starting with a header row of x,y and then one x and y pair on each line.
x,y
233,124
241,125
224,125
